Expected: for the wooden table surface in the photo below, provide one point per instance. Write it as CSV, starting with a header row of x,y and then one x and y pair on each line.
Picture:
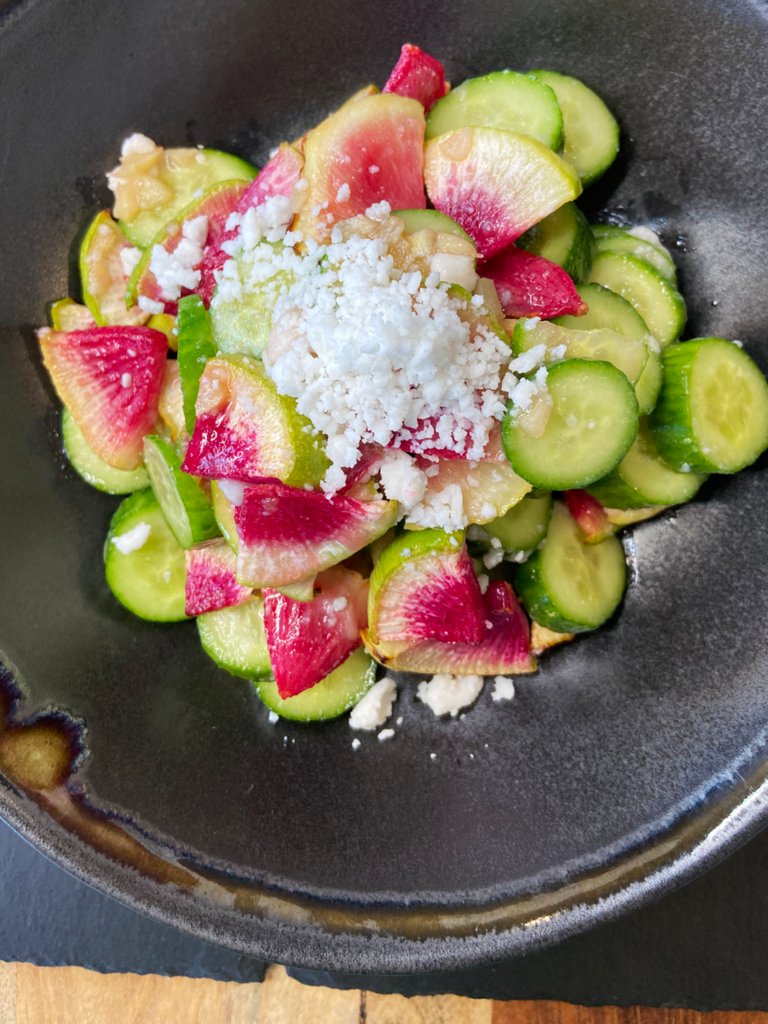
x,y
71,995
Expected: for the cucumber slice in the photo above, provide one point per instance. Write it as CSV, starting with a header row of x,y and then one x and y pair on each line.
x,y
657,301
590,429
329,698
524,526
196,347
606,309
186,509
616,239
504,99
235,638
626,355
712,413
591,130
150,581
570,586
94,470
243,325
68,315
418,220
185,172
642,478
224,511
648,386
563,238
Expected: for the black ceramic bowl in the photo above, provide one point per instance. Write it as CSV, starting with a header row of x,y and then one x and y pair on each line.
x,y
635,757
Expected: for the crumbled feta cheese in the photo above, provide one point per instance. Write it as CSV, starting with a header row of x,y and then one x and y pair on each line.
x,y
343,194
493,557
685,468
385,734
443,510
529,360
150,306
447,695
484,582
401,479
378,211
176,270
339,604
399,720
373,169
273,718
739,344
132,353
375,707
133,540
503,688
455,269
233,490
137,143
126,380
129,257
433,757
356,743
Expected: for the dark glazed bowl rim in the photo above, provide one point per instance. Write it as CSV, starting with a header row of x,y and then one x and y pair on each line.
x,y
336,937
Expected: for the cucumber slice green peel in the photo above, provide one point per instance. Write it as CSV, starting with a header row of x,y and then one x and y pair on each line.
x,y
591,130
567,585
150,581
628,355
643,479
655,298
93,469
187,510
196,347
591,428
235,638
418,220
524,526
504,99
331,697
712,412
564,238
606,309
615,239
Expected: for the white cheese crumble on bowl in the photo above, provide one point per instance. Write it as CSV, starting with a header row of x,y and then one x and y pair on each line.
x,y
447,695
503,688
375,707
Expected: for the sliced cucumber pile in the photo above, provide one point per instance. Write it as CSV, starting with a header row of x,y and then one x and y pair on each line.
x,y
524,526
654,297
564,238
609,238
235,638
592,425
591,130
712,413
93,469
626,354
504,99
329,698
149,575
642,478
568,585
187,510
606,309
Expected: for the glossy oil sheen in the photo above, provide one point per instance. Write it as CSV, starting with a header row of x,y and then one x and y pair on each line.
x,y
620,733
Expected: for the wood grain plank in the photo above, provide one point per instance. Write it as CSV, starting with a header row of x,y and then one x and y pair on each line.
x,y
285,1001
72,995
7,993
544,1012
426,1010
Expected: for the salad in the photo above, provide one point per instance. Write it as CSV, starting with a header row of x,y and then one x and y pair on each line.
x,y
390,400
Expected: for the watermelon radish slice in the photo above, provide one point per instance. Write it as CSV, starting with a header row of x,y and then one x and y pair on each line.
x,y
424,587
505,649
367,152
307,640
110,379
103,274
211,582
590,515
216,204
246,431
277,178
286,533
496,184
530,285
419,76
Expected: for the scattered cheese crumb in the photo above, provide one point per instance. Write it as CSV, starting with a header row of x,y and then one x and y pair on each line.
x,y
176,270
399,721
373,169
343,194
126,380
433,757
137,143
375,707
150,305
447,695
133,540
503,688
385,734
273,717
339,604
356,743
484,582
129,257
233,490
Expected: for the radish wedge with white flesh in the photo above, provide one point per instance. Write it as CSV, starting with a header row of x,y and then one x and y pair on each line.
x,y
245,430
68,315
234,637
626,355
145,564
110,379
94,470
211,583
286,534
107,260
568,585
495,184
591,427
712,413
591,131
329,698
196,347
505,648
503,99
187,510
424,587
642,478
